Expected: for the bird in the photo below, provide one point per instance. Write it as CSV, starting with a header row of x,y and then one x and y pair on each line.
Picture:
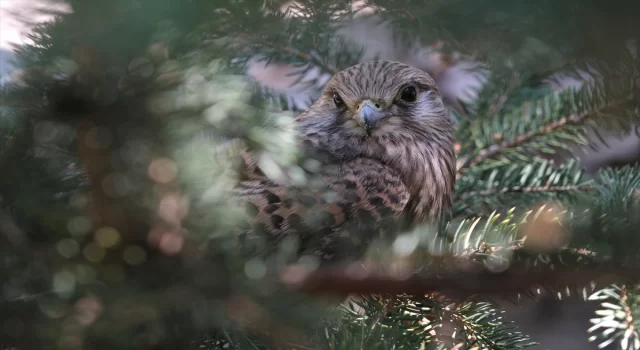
x,y
385,147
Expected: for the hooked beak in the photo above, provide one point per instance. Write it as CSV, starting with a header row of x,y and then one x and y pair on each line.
x,y
369,113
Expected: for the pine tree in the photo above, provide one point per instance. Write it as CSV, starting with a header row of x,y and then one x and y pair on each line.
x,y
117,230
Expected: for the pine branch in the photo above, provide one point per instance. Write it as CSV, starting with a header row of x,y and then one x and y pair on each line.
x,y
548,189
533,189
617,319
485,327
496,149
250,316
508,183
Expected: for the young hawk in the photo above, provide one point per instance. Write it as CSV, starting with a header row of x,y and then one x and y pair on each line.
x,y
385,145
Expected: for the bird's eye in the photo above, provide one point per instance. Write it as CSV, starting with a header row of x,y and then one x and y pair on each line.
x,y
338,100
409,94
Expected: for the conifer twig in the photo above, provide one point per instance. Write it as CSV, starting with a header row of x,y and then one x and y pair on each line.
x,y
518,141
247,314
532,189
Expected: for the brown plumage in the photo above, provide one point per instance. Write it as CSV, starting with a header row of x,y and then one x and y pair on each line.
x,y
385,143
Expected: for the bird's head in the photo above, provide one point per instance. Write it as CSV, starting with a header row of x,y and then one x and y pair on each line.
x,y
391,112
382,98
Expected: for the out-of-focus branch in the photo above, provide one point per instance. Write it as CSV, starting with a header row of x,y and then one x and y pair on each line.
x,y
305,56
357,279
251,316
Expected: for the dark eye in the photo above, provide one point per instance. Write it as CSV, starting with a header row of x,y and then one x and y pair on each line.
x,y
409,94
338,100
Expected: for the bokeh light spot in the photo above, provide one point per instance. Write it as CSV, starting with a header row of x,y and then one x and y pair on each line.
x,y
405,244
68,248
88,309
70,342
163,170
172,208
93,252
64,283
85,274
52,307
45,131
545,232
79,201
107,237
497,264
135,152
79,225
171,243
255,269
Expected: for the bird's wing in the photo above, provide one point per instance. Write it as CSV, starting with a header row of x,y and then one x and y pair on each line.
x,y
360,199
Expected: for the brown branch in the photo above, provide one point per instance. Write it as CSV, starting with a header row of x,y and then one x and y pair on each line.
x,y
104,210
518,141
356,279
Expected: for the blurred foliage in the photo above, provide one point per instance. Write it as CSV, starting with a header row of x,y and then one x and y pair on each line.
x,y
117,228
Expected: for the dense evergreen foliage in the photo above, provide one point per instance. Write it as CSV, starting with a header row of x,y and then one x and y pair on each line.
x,y
116,226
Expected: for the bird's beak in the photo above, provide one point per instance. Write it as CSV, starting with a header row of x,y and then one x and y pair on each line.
x,y
369,113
